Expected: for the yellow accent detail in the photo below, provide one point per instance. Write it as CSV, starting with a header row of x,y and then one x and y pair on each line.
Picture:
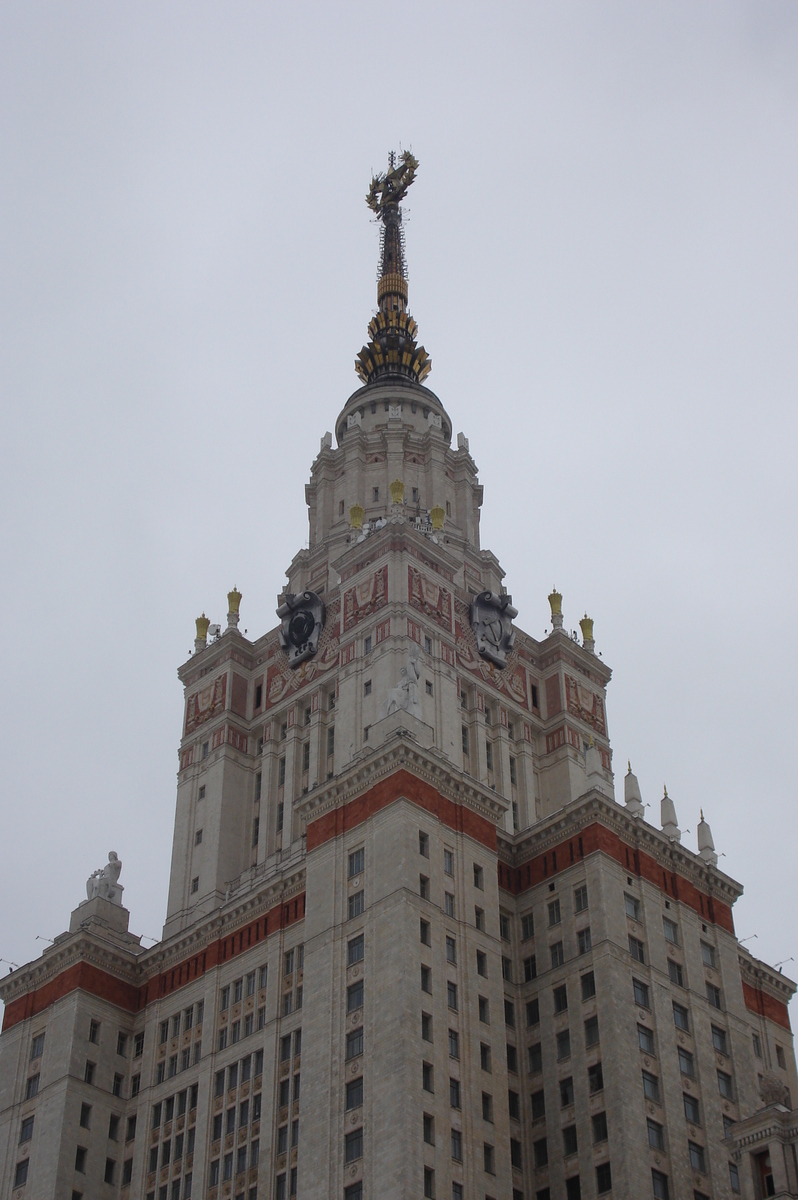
x,y
356,514
391,285
555,601
436,515
234,600
397,491
202,627
586,625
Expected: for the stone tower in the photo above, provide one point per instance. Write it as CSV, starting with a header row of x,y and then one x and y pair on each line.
x,y
414,945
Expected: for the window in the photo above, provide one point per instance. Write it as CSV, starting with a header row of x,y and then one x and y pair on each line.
x,y
489,756
429,1129
697,1160
21,1173
588,983
564,1044
448,904
595,1078
451,995
484,1056
573,1189
580,898
734,1178
457,1145
527,926
560,998
713,995
515,1154
354,1044
131,1128
708,954
37,1046
375,495
656,1137
478,877
482,964
26,1130
651,1087
479,919
591,1032
138,1045
725,1085
451,949
675,974
484,1010
356,904
487,1158
557,955
423,844
533,1012
512,1058
195,884
569,1143
423,887
94,1032
504,927
454,1044
353,1145
566,1092
691,1110
637,949
354,1093
540,1152
448,862
426,979
554,913
424,933
454,1093
198,837
509,1013
641,993
603,1178
681,1017
514,1105
513,772
583,939
205,749
426,1027
109,1170
464,738
599,1124
201,793
671,930
429,1182
719,1041
659,1183
127,1171
632,907
780,1059
530,968
645,1039
285,1048
367,645
355,950
427,1077
686,1063
80,1159
353,1192
32,1085
117,1085
113,1127
354,996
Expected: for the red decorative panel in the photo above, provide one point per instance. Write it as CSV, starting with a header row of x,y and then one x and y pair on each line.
x,y
206,703
238,695
527,733
447,654
555,739
282,681
402,785
583,703
429,597
503,716
553,702
186,758
347,653
511,679
365,598
383,631
414,631
759,1002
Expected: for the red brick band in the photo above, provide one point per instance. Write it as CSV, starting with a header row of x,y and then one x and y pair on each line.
x,y
759,1002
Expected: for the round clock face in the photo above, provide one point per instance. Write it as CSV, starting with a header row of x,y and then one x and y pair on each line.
x,y
300,627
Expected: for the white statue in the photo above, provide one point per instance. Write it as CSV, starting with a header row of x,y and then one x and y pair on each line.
x,y
404,697
104,882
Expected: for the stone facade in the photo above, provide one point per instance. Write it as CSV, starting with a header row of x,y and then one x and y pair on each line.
x,y
414,946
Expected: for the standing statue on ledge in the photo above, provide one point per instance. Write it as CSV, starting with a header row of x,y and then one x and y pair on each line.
x,y
104,882
404,697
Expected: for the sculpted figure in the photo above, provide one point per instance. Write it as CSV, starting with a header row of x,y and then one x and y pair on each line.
x,y
104,881
404,697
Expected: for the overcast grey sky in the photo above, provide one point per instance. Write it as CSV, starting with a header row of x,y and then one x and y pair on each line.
x,y
603,264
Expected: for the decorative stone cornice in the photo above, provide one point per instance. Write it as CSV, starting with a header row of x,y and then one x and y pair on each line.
x,y
759,975
398,753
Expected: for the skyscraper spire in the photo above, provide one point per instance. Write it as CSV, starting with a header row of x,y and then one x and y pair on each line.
x,y
392,350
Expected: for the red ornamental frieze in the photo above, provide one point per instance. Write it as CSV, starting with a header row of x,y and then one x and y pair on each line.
x,y
511,679
584,703
206,703
282,681
365,598
429,597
